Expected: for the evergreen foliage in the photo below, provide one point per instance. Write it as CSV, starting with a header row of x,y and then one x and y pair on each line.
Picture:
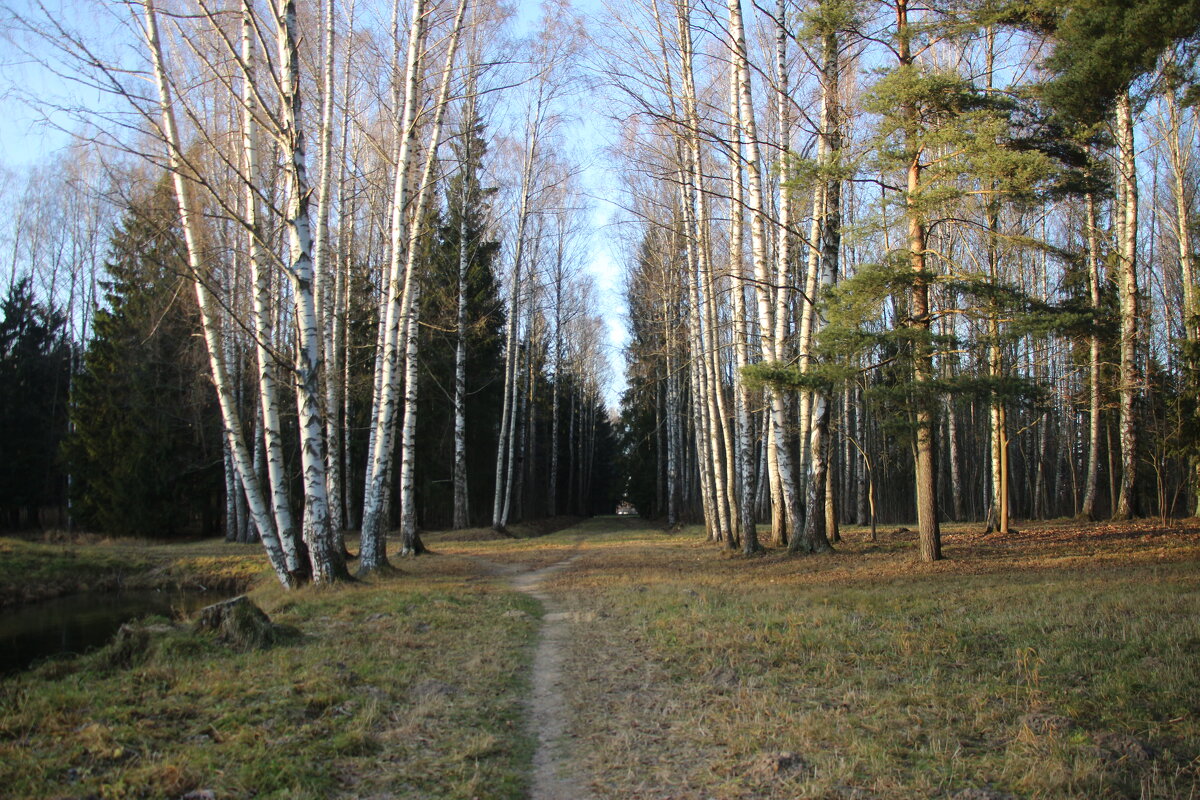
x,y
35,375
146,447
975,149
1103,46
467,201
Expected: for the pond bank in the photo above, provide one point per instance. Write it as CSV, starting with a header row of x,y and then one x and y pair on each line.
x,y
32,571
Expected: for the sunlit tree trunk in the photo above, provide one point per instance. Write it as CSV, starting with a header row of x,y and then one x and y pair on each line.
x,y
504,451
1091,482
325,281
816,522
768,316
998,412
393,315
1128,288
926,477
327,564
696,221
744,456
461,510
1179,157
410,297
261,317
210,325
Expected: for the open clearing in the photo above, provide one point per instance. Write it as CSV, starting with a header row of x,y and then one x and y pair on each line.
x,y
1056,663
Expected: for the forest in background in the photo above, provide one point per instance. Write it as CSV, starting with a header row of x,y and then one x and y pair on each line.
x,y
885,262
357,224
905,261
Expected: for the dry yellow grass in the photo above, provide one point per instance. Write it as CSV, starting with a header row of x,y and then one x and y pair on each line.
x,y
407,686
1057,663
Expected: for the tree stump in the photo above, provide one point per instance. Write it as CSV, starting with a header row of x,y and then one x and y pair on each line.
x,y
237,622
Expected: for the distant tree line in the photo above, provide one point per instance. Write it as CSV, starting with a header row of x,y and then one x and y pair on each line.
x,y
393,336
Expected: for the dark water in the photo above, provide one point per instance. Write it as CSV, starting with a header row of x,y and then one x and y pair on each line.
x,y
83,622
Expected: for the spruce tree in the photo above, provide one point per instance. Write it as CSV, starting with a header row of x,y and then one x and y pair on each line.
x,y
146,445
35,364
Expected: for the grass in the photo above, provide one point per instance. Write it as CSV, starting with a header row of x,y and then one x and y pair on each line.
x,y
39,570
405,686
1059,663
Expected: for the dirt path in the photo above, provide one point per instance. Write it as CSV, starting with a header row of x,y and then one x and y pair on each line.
x,y
552,778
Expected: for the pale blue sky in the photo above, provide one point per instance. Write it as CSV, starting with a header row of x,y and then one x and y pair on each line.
x,y
25,139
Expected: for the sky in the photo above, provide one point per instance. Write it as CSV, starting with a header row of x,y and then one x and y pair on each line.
x,y
25,140
591,133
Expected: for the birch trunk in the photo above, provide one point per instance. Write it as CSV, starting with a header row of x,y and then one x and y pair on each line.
x,y
1126,500
779,508
768,316
325,288
461,510
817,527
261,317
998,411
327,563
955,474
1091,482
242,457
503,447
1187,272
410,297
744,457
373,553
552,498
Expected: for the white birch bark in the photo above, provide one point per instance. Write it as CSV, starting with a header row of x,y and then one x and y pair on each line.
x,y
325,282
461,510
779,520
1128,290
326,559
768,317
504,446
1179,158
744,456
373,554
820,522
1092,480
243,459
695,218
411,298
261,317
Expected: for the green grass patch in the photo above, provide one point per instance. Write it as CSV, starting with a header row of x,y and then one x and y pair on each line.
x,y
410,686
34,570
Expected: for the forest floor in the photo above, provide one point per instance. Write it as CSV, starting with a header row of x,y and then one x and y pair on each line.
x,y
612,659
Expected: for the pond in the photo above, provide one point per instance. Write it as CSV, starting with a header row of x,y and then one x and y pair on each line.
x,y
83,622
